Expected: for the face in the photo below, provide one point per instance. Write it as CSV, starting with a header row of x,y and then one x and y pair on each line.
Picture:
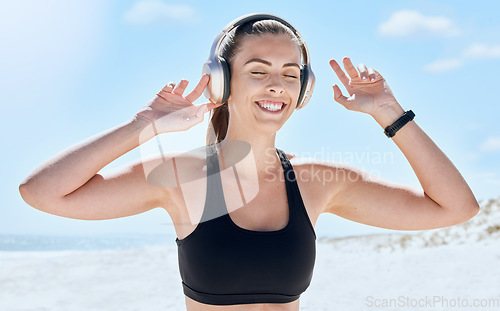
x,y
265,82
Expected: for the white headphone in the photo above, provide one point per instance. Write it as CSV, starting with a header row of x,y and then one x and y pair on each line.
x,y
218,89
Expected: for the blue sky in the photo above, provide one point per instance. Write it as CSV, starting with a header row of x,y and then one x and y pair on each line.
x,y
72,69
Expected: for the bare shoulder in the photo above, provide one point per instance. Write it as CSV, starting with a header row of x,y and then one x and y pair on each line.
x,y
173,168
316,169
318,180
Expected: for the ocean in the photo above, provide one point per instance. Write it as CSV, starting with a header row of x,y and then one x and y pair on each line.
x,y
10,242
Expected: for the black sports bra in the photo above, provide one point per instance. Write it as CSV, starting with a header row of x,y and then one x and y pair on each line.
x,y
223,264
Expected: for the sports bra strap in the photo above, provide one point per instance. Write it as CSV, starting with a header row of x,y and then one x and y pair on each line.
x,y
215,205
289,173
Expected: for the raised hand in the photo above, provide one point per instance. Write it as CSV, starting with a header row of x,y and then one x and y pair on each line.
x,y
170,111
368,90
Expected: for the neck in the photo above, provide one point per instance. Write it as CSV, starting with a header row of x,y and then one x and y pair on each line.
x,y
261,148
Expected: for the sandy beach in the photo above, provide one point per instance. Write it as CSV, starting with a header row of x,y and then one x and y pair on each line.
x,y
453,268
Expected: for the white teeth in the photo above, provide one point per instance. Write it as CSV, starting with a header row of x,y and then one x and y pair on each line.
x,y
271,107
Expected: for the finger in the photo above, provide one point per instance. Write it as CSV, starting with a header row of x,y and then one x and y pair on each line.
x,y
211,106
378,76
351,71
340,73
372,74
169,87
363,71
181,87
198,90
159,94
201,111
339,98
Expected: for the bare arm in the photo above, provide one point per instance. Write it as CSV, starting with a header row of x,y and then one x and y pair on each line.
x,y
69,185
446,199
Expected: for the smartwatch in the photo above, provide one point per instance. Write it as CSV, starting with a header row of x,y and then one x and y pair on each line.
x,y
391,130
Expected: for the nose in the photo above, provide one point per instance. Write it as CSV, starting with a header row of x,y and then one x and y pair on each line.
x,y
275,85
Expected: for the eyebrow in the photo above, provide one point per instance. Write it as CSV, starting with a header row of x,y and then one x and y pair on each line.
x,y
265,62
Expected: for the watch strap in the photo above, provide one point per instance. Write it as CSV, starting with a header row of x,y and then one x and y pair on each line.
x,y
391,130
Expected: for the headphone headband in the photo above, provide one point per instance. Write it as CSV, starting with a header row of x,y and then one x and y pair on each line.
x,y
215,69
256,17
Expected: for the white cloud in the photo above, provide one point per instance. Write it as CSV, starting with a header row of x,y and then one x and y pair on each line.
x,y
411,23
151,11
491,144
482,51
443,65
476,50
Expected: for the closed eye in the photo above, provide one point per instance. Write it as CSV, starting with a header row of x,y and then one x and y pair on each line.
x,y
258,73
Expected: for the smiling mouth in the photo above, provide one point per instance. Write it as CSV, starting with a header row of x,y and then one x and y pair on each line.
x,y
271,106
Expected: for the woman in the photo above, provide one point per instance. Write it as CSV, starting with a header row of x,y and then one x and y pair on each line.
x,y
245,232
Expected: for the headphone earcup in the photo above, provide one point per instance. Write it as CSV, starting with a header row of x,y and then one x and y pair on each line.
x,y
226,77
304,76
215,88
218,88
307,81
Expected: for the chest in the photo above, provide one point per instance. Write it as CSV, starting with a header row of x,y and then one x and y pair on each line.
x,y
253,204
263,209
264,205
